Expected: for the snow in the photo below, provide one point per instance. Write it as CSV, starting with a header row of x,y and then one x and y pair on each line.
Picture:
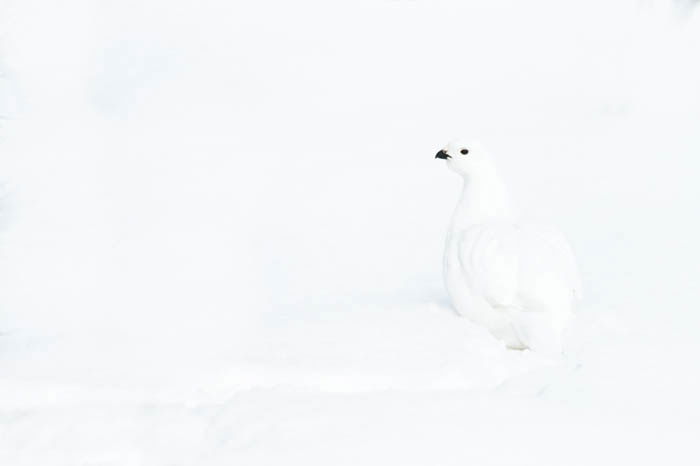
x,y
206,211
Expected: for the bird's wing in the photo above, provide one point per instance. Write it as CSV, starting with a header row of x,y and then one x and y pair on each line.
x,y
528,272
489,261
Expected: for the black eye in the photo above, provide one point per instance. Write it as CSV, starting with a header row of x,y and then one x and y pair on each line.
x,y
464,151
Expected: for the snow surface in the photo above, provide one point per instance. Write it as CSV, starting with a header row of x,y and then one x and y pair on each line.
x,y
206,209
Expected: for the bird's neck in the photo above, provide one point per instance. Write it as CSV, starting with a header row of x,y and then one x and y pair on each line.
x,y
484,199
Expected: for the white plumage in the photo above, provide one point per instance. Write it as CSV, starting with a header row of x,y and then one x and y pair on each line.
x,y
518,280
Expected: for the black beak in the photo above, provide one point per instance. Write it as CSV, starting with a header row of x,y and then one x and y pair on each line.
x,y
442,155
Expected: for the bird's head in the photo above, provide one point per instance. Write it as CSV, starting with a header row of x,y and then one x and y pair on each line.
x,y
465,157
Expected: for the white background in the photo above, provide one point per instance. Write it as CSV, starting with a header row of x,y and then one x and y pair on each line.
x,y
222,230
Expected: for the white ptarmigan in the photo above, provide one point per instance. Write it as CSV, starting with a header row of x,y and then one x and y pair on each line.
x,y
520,281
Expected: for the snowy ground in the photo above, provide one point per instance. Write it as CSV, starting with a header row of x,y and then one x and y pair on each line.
x,y
222,229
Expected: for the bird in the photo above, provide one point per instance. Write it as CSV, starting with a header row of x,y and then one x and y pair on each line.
x,y
519,280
